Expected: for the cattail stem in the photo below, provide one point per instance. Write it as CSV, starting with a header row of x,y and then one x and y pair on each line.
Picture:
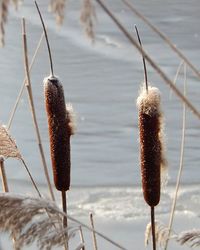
x,y
153,227
3,176
143,59
32,107
93,232
64,205
47,40
65,223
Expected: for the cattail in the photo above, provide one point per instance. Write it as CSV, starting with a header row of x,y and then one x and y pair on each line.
x,y
60,130
150,120
151,150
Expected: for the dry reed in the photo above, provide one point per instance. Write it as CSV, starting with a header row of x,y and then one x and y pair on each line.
x,y
180,165
88,18
58,8
27,219
32,108
3,175
191,238
8,147
161,234
93,233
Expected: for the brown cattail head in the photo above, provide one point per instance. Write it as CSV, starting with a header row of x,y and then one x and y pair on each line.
x,y
59,132
151,153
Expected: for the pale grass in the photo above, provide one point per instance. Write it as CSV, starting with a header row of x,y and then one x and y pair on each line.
x,y
34,219
161,233
182,150
32,109
8,147
190,237
88,18
58,8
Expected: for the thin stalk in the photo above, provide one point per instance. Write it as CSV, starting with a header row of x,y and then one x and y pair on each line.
x,y
143,59
30,175
163,36
93,233
47,40
82,237
176,76
65,224
3,176
180,166
153,228
23,84
32,108
149,59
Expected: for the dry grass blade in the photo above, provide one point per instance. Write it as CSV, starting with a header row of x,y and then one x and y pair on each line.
x,y
8,147
192,238
87,18
176,76
58,8
180,164
161,233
